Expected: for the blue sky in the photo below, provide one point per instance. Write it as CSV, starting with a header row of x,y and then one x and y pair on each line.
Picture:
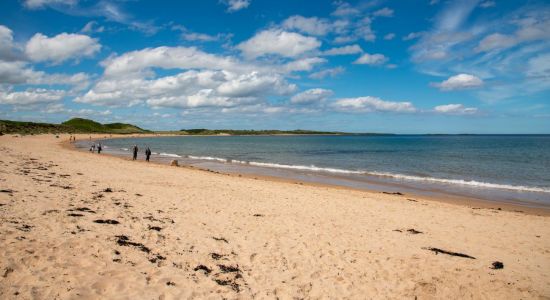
x,y
422,66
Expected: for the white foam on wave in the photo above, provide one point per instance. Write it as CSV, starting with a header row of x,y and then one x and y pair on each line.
x,y
304,168
471,183
207,158
169,154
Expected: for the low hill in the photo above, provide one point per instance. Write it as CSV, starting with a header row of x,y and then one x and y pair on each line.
x,y
10,127
85,125
76,125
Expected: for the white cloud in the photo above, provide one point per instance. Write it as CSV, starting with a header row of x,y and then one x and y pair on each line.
x,y
372,104
384,12
345,50
189,89
389,36
530,29
254,84
311,96
496,41
344,9
364,30
458,82
8,50
371,59
313,25
54,108
18,72
455,109
487,4
539,66
413,35
92,27
194,36
283,43
168,58
31,97
37,4
236,5
61,47
332,72
302,64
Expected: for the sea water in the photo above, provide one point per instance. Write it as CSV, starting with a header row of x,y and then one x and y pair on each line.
x,y
513,168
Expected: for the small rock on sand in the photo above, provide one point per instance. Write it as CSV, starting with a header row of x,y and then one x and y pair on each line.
x,y
174,163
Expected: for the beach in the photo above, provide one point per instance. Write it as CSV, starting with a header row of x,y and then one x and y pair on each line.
x,y
83,225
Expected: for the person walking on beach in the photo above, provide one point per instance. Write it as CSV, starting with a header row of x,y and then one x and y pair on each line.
x,y
135,150
99,148
147,154
92,148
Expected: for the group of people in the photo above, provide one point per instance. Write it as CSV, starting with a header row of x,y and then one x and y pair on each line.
x,y
72,139
135,152
93,147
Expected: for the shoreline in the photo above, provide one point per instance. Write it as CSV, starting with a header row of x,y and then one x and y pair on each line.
x,y
440,196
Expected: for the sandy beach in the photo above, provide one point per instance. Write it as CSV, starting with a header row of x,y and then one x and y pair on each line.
x,y
88,226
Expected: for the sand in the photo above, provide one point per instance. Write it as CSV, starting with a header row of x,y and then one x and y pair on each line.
x,y
89,226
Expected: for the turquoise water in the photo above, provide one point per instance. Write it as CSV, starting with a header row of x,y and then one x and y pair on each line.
x,y
514,167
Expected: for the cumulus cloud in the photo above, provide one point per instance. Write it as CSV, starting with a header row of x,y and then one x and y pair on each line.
x,y
371,59
236,5
331,72
372,104
202,37
345,50
278,42
459,82
18,72
61,47
31,97
8,50
344,9
455,109
127,81
168,58
253,84
311,96
302,64
313,25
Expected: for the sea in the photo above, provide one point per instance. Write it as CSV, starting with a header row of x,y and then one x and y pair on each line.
x,y
505,168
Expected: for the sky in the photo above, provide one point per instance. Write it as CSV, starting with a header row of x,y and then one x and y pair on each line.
x,y
415,66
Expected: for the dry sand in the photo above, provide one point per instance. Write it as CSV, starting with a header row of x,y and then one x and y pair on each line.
x,y
186,233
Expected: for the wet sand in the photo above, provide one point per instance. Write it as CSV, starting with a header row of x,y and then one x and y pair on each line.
x,y
83,225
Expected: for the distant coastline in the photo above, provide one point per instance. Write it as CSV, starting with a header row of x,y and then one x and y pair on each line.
x,y
80,125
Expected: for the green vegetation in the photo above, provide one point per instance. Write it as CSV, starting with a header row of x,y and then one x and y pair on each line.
x,y
202,131
80,125
76,125
89,126
31,127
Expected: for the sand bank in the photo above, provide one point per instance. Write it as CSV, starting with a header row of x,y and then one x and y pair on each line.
x,y
82,225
